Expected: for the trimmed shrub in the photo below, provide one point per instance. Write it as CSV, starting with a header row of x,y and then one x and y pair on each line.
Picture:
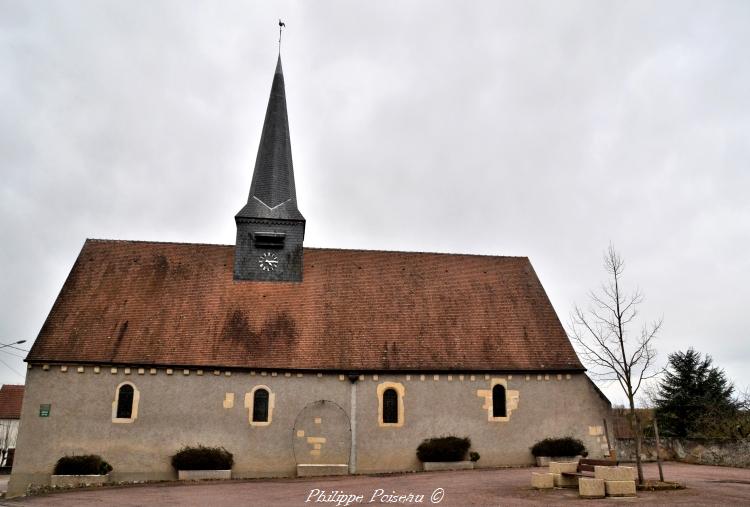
x,y
203,458
88,464
474,456
566,446
443,449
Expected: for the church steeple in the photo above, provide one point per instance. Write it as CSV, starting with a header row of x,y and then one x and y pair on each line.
x,y
272,192
270,228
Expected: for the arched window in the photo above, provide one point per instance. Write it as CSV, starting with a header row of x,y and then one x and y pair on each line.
x,y
125,402
390,406
498,401
260,406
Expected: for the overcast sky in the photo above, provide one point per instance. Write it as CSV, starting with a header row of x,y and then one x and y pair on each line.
x,y
541,129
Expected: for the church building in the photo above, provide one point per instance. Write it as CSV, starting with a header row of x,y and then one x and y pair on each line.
x,y
299,361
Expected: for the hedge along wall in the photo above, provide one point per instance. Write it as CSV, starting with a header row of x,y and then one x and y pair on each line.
x,y
732,453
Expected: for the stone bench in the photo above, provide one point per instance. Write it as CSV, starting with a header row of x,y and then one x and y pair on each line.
x,y
607,481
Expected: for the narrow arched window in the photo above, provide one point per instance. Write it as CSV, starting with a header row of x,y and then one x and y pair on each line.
x,y
390,406
260,406
125,402
498,401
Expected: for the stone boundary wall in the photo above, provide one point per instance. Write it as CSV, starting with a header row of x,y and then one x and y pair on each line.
x,y
732,453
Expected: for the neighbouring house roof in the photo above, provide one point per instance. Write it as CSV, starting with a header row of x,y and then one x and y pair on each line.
x,y
11,399
621,421
128,302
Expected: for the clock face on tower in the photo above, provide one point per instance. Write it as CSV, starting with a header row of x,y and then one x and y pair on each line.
x,y
268,261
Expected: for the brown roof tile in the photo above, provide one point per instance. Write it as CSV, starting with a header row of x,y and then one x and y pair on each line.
x,y
11,399
128,302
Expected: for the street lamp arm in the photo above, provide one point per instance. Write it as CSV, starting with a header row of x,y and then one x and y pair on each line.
x,y
19,342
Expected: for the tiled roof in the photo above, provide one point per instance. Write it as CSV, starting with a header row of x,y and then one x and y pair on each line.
x,y
11,399
128,302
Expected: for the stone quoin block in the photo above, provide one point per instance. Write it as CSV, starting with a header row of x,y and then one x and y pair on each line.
x,y
614,473
591,488
619,488
563,481
558,467
543,481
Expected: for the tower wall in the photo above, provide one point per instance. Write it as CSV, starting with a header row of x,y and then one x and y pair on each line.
x,y
248,257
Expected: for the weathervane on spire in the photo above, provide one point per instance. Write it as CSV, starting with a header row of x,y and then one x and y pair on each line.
x,y
281,25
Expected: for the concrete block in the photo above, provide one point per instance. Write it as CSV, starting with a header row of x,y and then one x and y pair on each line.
x,y
614,473
542,461
199,475
591,488
431,466
562,481
542,481
619,488
558,467
315,470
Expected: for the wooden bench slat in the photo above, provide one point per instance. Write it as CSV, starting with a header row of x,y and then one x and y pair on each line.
x,y
599,462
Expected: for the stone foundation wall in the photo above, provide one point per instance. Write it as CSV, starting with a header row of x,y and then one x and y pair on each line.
x,y
733,453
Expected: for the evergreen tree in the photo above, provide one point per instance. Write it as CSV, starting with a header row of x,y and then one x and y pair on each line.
x,y
695,398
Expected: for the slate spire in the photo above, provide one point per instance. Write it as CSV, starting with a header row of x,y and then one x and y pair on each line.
x,y
270,228
272,192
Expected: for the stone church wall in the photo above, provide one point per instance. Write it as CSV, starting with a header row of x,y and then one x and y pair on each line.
x,y
177,407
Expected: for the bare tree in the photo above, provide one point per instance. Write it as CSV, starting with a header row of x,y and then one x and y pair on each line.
x,y
742,425
605,339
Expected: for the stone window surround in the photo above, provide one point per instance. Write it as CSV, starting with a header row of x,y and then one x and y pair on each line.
x,y
400,391
133,412
250,405
494,382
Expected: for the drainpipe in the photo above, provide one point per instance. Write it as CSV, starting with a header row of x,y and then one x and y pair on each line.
x,y
353,377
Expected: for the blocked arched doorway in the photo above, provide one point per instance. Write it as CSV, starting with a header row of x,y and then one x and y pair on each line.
x,y
322,436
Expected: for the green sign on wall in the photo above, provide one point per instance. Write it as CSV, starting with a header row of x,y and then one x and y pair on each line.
x,y
44,410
